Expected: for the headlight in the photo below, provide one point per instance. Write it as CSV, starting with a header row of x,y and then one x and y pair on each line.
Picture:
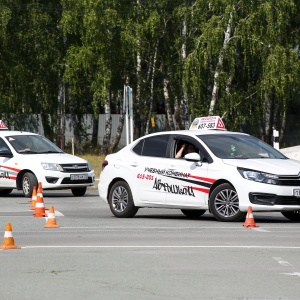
x,y
52,167
90,166
258,176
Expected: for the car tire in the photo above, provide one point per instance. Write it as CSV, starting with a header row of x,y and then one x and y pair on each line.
x,y
5,192
79,192
193,213
120,200
28,182
224,204
293,216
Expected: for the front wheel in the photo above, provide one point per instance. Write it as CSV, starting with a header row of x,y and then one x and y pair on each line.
x,y
79,192
28,182
293,216
224,204
193,213
120,200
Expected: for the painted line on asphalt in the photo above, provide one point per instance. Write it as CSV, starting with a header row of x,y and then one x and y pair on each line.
x,y
282,262
25,213
165,247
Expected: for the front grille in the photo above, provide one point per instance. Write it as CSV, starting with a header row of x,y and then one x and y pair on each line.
x,y
287,200
288,180
75,168
67,180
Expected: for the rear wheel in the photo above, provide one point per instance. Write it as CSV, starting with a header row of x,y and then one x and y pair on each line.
x,y
224,204
28,182
193,213
293,216
5,192
78,192
120,200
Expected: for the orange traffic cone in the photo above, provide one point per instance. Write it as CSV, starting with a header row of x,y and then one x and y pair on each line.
x,y
40,192
249,222
8,241
39,210
51,220
33,198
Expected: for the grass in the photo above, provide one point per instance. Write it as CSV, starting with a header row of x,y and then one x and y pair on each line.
x,y
95,161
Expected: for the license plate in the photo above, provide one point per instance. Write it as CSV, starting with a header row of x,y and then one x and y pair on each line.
x,y
83,177
297,192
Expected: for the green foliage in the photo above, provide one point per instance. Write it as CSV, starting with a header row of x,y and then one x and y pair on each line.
x,y
90,47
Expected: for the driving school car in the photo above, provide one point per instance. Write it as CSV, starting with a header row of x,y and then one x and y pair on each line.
x,y
228,172
28,158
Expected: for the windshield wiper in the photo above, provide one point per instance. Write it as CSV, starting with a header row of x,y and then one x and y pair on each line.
x,y
27,151
50,151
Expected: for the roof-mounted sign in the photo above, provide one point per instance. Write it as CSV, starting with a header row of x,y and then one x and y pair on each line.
x,y
211,122
3,125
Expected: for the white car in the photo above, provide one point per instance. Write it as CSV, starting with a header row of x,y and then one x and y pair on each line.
x,y
27,158
226,173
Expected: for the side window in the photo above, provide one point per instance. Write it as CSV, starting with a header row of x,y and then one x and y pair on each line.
x,y
3,146
183,147
138,148
4,150
190,146
156,146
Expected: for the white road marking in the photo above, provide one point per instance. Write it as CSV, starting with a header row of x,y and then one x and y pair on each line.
x,y
282,262
292,274
261,229
163,247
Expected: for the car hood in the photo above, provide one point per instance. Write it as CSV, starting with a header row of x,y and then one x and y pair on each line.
x,y
59,158
273,166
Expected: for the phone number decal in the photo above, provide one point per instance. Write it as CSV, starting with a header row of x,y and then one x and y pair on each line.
x,y
206,125
145,176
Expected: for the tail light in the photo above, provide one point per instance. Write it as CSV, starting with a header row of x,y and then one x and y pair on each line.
x,y
104,164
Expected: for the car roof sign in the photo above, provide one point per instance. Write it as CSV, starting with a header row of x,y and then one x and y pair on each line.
x,y
3,125
210,122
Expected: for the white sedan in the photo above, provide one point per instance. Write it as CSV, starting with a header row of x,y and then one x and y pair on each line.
x,y
27,158
225,173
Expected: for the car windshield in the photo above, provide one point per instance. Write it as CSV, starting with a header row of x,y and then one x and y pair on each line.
x,y
32,144
229,146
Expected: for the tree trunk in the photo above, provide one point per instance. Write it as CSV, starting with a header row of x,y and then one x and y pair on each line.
x,y
95,130
151,91
184,112
108,125
168,105
177,114
219,68
283,126
61,122
137,117
119,131
269,117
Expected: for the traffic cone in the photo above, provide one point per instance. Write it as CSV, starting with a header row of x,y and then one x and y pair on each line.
x,y
51,220
33,198
39,210
8,241
249,222
40,192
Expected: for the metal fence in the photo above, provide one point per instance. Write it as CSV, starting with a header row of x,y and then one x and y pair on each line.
x,y
33,123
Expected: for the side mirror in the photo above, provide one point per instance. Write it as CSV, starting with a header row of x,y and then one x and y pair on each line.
x,y
6,153
194,157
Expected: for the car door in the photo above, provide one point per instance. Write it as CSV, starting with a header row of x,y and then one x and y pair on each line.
x,y
186,182
8,170
151,165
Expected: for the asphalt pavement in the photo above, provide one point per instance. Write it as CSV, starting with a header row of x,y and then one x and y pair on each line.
x,y
158,254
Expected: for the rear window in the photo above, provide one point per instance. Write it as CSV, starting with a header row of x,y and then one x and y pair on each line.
x,y
153,146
